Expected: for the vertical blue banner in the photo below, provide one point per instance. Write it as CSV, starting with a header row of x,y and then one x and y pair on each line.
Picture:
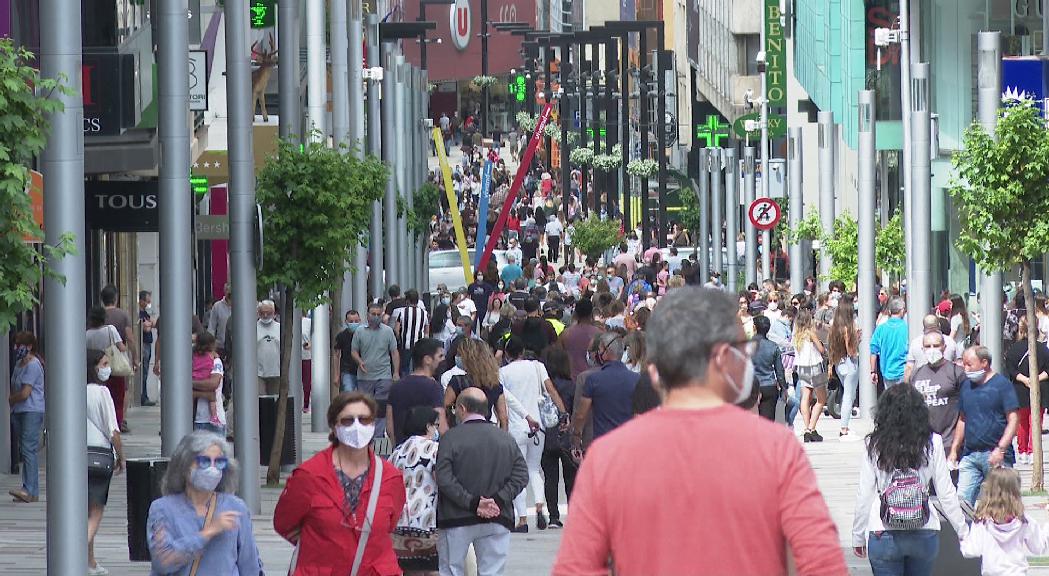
x,y
482,212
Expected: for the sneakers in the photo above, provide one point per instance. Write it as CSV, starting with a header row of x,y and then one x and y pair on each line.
x,y
20,495
847,437
522,529
556,525
540,520
98,570
816,437
807,436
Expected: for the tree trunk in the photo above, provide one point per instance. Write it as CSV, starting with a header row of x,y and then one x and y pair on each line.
x,y
286,325
1033,370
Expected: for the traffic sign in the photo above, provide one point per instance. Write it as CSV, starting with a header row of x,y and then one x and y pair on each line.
x,y
764,213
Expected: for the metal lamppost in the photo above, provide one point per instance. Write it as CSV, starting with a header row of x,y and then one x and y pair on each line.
x,y
422,18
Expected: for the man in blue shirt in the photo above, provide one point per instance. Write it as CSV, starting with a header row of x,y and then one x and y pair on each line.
x,y
512,271
609,391
987,423
889,346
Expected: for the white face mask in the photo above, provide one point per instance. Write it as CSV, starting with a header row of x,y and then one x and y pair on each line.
x,y
104,373
356,435
933,355
774,305
266,321
976,376
743,389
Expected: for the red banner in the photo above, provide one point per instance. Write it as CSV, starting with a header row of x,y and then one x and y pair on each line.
x,y
522,169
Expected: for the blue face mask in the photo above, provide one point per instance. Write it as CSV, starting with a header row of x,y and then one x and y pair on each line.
x,y
352,326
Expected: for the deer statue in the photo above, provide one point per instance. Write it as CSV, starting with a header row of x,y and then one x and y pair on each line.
x,y
266,59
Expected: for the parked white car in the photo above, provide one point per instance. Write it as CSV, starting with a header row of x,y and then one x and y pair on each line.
x,y
446,267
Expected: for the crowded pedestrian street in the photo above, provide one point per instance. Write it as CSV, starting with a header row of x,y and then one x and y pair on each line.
x,y
527,287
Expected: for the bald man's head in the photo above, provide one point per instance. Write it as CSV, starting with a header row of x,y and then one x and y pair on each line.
x,y
473,402
930,322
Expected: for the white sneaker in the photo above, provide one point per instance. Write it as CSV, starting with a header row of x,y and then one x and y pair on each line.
x,y
98,570
850,437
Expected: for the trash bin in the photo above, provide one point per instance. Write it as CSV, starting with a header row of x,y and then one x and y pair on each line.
x,y
143,487
267,425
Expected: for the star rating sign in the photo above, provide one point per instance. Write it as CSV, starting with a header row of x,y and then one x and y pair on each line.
x,y
196,165
207,164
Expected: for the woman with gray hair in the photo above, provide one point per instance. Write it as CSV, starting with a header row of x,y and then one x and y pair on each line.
x,y
199,526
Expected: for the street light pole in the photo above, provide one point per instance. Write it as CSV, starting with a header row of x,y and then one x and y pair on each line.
x,y
866,286
644,124
716,212
827,143
485,93
375,148
317,97
359,298
731,217
797,268
62,163
611,125
751,237
919,293
176,216
704,213
989,58
243,217
390,157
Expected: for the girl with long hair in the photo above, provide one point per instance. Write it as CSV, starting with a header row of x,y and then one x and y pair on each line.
x,y
1002,534
812,374
482,371
960,326
893,523
844,340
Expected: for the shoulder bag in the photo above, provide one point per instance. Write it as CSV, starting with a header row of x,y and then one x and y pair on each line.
x,y
100,459
212,505
117,360
549,415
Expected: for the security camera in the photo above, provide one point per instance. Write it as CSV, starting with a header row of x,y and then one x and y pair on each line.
x,y
760,58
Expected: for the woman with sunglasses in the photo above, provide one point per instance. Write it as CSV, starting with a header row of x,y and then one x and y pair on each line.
x,y
200,526
341,506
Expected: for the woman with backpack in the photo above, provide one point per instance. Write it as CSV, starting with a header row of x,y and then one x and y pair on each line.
x,y
894,524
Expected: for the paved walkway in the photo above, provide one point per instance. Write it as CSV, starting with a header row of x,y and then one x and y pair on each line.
x,y
22,526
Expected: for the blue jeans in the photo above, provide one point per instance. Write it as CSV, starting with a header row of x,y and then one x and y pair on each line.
x,y
850,380
348,382
27,427
793,407
971,473
380,390
903,552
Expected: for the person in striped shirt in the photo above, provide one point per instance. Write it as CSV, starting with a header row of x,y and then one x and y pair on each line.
x,y
411,323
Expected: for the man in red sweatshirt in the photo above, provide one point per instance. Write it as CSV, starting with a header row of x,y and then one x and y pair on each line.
x,y
701,486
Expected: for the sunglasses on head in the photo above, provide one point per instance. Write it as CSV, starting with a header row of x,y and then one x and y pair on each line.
x,y
204,462
349,420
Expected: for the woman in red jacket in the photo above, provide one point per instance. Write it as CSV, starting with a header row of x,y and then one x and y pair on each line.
x,y
326,500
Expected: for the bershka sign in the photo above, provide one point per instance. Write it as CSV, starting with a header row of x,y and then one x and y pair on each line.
x,y
460,24
122,206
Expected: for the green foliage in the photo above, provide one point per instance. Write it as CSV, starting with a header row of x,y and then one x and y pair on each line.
x,y
526,121
890,253
843,248
1001,189
426,201
23,134
316,205
581,156
593,235
808,229
642,168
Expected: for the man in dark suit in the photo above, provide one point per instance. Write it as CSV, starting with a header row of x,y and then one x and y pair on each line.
x,y
479,471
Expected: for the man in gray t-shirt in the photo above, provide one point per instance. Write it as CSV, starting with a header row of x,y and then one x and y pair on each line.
x,y
374,348
939,382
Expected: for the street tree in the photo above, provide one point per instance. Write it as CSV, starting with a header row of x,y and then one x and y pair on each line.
x,y
316,203
25,105
594,236
1004,213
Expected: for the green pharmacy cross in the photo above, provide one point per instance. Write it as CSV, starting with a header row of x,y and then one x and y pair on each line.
x,y
262,13
713,131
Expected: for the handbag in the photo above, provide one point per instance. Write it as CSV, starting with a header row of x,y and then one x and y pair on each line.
x,y
549,415
118,360
100,459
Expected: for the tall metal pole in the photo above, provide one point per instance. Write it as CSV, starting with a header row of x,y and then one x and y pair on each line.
x,y
750,265
662,57
375,133
905,168
404,149
989,58
704,214
766,240
717,213
424,143
827,143
485,92
584,70
611,126
797,258
359,297
644,125
175,207
919,293
624,125
566,119
62,164
242,221
391,158
340,118
866,286
731,216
